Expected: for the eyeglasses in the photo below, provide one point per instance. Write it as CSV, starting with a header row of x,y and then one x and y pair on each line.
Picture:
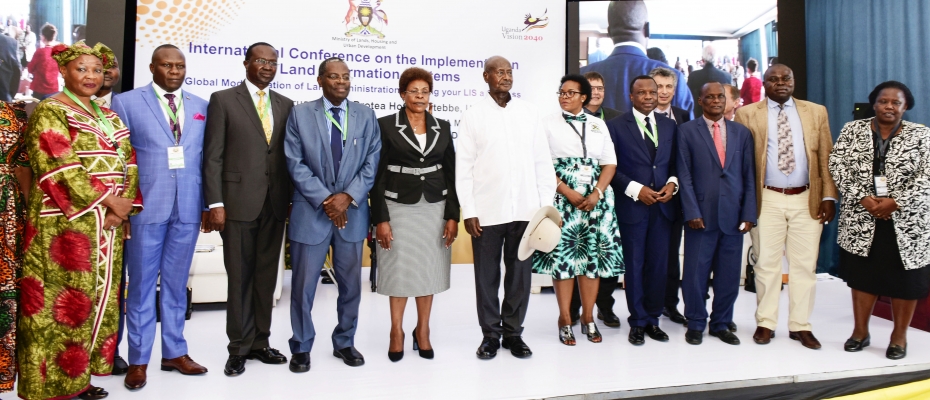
x,y
500,73
263,62
774,79
424,92
337,77
569,94
597,88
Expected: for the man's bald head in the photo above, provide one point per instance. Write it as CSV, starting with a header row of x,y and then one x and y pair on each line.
x,y
628,21
494,63
498,73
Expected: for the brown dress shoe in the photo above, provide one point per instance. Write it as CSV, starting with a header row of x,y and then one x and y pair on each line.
x,y
135,378
806,338
184,365
763,335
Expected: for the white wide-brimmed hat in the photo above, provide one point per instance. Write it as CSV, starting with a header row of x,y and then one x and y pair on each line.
x,y
542,233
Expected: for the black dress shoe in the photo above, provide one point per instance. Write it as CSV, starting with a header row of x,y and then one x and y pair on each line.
x,y
896,352
853,345
610,319
120,367
235,365
731,326
517,347
656,334
674,315
267,356
488,348
726,336
637,336
300,362
350,356
693,336
93,392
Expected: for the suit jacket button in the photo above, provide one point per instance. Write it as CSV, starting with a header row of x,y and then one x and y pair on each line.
x,y
421,160
653,167
266,173
422,178
172,176
269,151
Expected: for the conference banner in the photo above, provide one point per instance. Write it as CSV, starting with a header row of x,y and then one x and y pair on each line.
x,y
377,39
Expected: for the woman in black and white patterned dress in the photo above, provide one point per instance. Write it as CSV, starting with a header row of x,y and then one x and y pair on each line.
x,y
415,209
882,167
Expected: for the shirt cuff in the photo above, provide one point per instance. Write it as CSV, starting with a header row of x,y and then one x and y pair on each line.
x,y
633,189
830,198
215,205
674,180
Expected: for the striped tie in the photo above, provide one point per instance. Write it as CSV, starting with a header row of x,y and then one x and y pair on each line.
x,y
263,115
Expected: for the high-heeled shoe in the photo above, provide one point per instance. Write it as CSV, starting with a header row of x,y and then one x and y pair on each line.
x,y
896,352
853,345
590,329
396,356
566,336
427,354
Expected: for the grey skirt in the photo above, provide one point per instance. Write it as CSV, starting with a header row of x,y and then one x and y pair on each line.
x,y
418,263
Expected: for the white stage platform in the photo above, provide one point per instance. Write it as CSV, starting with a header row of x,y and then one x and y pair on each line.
x,y
612,369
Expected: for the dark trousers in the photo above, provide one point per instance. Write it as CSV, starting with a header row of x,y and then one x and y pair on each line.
x,y
645,254
604,300
709,252
251,250
674,264
306,265
498,319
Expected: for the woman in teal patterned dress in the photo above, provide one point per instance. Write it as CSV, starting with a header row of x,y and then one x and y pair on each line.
x,y
585,162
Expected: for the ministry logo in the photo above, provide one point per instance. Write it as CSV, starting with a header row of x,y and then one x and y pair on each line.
x,y
532,22
360,17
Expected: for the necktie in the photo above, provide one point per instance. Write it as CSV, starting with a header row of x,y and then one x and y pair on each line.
x,y
786,162
102,102
263,115
718,143
175,126
335,140
650,145
580,118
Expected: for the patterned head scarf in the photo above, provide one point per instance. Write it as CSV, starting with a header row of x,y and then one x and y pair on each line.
x,y
64,54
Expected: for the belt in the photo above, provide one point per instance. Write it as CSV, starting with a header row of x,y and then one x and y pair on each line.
x,y
414,171
789,191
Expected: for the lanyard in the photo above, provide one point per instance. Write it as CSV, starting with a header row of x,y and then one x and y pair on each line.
x,y
650,135
584,146
602,113
104,123
881,146
171,114
345,124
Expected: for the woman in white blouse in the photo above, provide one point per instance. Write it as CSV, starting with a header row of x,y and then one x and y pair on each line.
x,y
585,162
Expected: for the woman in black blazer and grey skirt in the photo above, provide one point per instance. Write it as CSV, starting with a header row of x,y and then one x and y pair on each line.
x,y
414,206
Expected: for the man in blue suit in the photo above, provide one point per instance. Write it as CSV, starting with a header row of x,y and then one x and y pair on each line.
x,y
332,148
628,27
645,148
167,132
716,168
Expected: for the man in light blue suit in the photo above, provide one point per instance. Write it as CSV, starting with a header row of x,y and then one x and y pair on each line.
x,y
166,126
332,148
716,170
628,27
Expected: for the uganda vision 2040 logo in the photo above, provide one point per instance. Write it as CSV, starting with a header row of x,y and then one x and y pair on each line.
x,y
363,16
530,22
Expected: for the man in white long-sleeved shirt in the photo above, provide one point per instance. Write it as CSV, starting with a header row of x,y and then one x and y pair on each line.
x,y
503,174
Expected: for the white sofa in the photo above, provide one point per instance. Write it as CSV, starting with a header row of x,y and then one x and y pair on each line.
x,y
208,281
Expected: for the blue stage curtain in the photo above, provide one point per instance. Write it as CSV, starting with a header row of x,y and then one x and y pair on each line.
x,y
853,45
78,12
750,45
49,11
771,40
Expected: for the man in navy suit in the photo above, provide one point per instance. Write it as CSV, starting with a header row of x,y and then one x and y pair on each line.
x,y
628,27
716,169
645,146
332,147
167,127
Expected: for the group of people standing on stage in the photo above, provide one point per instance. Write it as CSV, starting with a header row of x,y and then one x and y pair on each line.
x,y
622,187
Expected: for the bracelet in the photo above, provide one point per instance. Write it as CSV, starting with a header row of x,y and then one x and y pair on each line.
x,y
599,191
559,184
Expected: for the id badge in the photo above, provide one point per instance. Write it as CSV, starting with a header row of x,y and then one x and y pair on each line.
x,y
585,175
881,186
176,157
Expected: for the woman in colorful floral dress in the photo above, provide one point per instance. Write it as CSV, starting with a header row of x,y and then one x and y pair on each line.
x,y
585,162
86,187
15,178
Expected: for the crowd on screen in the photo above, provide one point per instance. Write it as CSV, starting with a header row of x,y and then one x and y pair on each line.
x,y
105,195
